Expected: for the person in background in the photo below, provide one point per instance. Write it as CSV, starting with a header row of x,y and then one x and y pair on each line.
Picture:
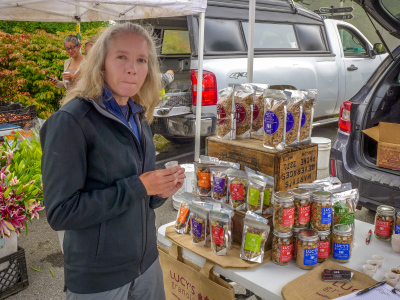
x,y
89,42
167,78
72,65
98,168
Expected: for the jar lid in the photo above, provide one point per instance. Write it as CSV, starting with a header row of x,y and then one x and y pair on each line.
x,y
324,232
386,210
297,229
321,195
308,235
301,192
342,229
284,196
283,234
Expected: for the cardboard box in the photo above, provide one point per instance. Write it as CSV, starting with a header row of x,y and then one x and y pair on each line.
x,y
289,167
388,138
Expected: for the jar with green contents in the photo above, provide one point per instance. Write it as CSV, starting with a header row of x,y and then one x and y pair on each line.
x,y
302,207
283,211
321,210
342,243
384,222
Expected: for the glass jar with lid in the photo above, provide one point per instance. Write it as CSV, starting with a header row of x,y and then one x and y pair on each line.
x,y
282,247
283,211
296,231
321,210
324,245
307,249
384,222
342,243
302,207
397,227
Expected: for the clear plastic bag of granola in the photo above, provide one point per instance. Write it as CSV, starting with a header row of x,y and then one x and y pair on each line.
x,y
203,178
269,191
204,159
243,98
220,224
322,184
237,189
275,102
344,206
293,116
255,234
258,108
307,115
219,183
222,163
255,193
226,126
199,212
182,218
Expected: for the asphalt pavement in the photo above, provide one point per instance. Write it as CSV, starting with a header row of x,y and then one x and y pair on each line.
x,y
42,247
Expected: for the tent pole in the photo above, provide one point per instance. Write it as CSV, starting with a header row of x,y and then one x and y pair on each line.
x,y
200,51
250,54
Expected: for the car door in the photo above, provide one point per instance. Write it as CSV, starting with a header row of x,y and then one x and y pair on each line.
x,y
358,64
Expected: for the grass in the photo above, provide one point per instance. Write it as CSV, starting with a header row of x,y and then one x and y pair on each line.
x,y
160,142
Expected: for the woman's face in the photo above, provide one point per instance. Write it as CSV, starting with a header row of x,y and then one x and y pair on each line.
x,y
126,66
87,47
72,49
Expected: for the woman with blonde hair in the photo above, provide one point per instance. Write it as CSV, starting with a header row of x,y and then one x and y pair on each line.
x,y
98,171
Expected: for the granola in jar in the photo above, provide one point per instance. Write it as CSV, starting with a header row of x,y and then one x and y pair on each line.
x,y
302,207
237,185
324,245
275,102
282,247
225,114
397,226
255,234
342,243
283,211
321,210
307,249
296,231
384,222
307,116
243,98
255,193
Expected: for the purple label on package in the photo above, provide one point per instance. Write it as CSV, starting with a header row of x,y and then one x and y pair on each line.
x,y
289,121
219,185
271,122
303,119
397,230
197,228
326,217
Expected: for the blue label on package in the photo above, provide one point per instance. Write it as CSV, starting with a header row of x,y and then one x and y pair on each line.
x,y
303,119
289,121
326,217
219,185
397,229
271,122
310,257
197,228
341,251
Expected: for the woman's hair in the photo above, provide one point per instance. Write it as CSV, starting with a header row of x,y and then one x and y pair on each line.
x,y
92,81
91,39
71,38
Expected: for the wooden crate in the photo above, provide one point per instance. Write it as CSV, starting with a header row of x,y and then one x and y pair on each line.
x,y
237,230
289,167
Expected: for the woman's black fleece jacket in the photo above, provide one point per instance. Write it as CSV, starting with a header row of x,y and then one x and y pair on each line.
x,y
91,165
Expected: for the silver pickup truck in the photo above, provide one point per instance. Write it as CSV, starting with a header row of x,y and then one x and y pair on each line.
x,y
293,46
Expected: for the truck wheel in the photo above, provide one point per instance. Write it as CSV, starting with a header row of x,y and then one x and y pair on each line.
x,y
181,141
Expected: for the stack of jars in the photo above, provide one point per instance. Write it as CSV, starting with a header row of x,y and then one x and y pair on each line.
x,y
302,229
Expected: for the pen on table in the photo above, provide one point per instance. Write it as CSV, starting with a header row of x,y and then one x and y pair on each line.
x,y
370,288
368,239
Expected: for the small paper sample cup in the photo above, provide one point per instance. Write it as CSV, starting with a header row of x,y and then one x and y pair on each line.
x,y
369,270
171,164
378,258
395,270
63,76
391,279
396,242
373,263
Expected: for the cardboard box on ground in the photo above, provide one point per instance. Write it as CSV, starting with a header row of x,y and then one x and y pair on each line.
x,y
386,134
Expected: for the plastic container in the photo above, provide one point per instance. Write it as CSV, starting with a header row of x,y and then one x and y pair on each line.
x,y
369,270
379,258
307,249
324,149
302,204
384,222
324,245
321,210
342,243
396,243
283,211
171,164
188,184
397,226
282,247
392,279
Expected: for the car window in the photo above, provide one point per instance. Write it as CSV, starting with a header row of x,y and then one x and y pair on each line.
x,y
352,45
175,42
311,38
272,36
393,7
223,36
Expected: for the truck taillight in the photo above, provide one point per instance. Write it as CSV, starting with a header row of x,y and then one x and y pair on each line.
x,y
210,93
344,117
333,168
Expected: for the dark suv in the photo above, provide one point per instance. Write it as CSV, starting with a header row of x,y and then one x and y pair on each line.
x,y
354,154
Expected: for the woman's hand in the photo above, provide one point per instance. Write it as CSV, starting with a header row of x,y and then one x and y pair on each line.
x,y
54,81
67,76
163,183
